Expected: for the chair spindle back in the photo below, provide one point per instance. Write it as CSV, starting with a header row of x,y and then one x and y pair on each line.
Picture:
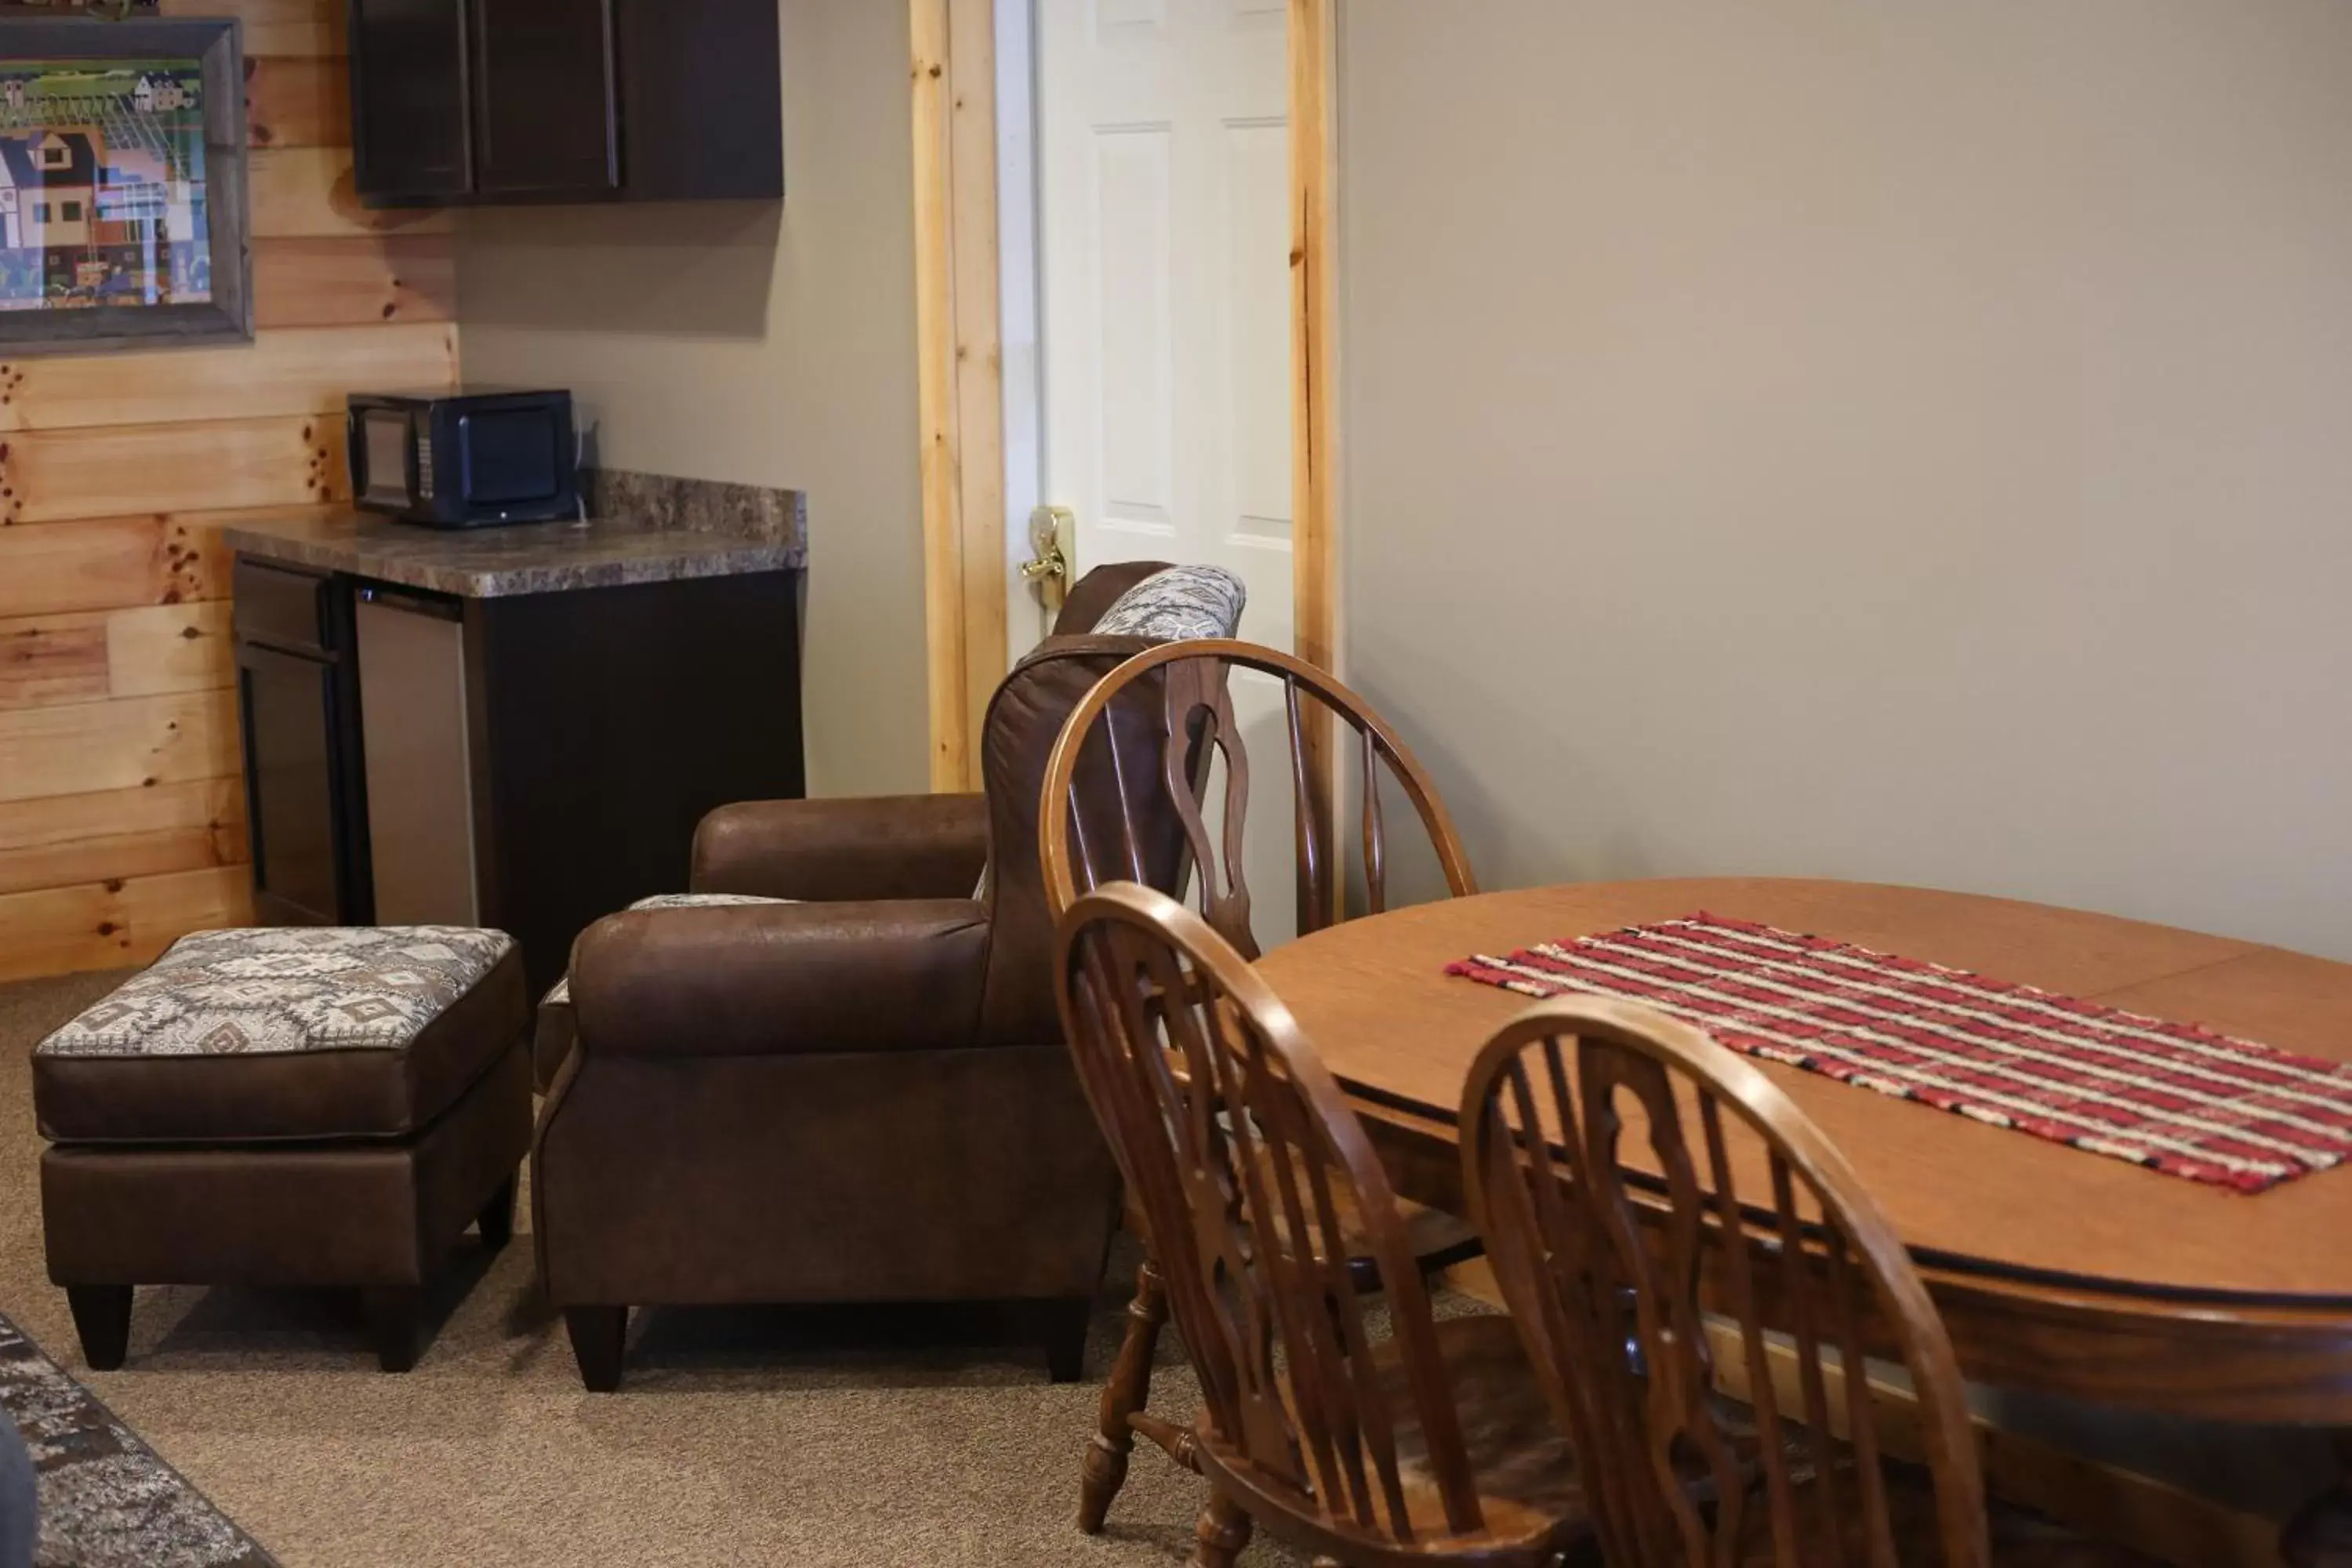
x,y
1752,1214
1244,1155
1084,849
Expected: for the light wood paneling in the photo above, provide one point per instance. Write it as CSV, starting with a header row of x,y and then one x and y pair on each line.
x,y
168,648
57,661
305,370
62,840
122,810
59,929
275,26
115,923
110,563
355,279
307,192
292,101
46,474
132,744
154,650
102,563
160,909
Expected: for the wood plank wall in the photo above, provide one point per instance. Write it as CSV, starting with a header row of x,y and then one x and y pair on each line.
x,y
122,810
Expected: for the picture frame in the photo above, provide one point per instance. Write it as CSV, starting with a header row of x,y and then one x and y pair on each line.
x,y
96,122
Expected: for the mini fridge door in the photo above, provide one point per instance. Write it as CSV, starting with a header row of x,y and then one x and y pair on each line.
x,y
419,764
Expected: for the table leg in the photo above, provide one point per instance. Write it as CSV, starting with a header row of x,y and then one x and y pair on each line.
x,y
2320,1534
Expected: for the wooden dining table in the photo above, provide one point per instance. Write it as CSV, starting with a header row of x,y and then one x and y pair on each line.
x,y
2057,1269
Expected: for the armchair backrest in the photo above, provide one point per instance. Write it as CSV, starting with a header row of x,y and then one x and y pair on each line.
x,y
1024,718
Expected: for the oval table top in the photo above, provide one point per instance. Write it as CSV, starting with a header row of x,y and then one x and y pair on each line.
x,y
1987,1201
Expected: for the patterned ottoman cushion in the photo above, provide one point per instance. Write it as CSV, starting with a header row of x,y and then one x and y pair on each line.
x,y
285,1033
552,1036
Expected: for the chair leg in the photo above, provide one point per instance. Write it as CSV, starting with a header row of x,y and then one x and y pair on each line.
x,y
1125,1391
598,1334
102,1315
394,1314
1220,1534
497,1218
2320,1534
1067,1323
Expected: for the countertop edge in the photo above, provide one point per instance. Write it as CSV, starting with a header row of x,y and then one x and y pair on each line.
x,y
713,556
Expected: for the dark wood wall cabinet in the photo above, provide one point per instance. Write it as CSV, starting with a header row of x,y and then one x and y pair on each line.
x,y
458,101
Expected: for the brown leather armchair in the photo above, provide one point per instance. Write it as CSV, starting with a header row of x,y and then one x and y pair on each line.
x,y
861,1096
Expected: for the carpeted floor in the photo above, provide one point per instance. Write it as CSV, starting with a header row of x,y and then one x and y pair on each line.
x,y
739,1438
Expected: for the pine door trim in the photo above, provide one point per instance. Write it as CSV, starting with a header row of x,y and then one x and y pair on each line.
x,y
961,380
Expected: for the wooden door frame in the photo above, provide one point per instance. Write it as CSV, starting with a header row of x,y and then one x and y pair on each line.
x,y
960,378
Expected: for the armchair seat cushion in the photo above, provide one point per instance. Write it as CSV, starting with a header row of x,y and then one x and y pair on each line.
x,y
556,1028
299,1033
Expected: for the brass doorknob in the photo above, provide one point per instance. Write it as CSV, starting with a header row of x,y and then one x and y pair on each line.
x,y
1052,535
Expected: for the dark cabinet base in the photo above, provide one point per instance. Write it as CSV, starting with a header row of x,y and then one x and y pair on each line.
x,y
608,721
601,726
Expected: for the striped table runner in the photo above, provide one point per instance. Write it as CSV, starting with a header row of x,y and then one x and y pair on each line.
x,y
2172,1096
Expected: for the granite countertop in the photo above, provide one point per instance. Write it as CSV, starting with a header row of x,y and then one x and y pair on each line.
x,y
525,558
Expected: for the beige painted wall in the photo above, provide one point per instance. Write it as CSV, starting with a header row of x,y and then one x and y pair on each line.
x,y
1900,442
764,345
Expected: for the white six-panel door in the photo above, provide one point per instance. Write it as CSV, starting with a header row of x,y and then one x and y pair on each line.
x,y
1164,265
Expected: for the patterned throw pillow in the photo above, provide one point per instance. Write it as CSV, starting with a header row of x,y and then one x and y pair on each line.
x,y
1180,602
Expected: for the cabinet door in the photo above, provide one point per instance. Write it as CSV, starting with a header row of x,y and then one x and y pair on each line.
x,y
411,131
546,120
292,785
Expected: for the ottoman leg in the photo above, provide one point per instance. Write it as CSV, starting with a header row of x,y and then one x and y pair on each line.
x,y
497,1218
393,1314
598,1334
102,1315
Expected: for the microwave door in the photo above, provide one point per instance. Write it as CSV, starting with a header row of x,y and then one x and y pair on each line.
x,y
381,449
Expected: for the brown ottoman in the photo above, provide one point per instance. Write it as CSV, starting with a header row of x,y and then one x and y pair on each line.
x,y
297,1106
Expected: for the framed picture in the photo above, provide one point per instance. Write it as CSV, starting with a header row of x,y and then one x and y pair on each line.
x,y
123,196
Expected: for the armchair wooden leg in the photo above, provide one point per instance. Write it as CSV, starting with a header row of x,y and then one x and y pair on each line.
x,y
393,1315
1127,1391
598,1334
497,1218
1222,1534
102,1315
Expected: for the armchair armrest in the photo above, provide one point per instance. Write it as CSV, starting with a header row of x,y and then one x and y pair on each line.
x,y
890,846
780,979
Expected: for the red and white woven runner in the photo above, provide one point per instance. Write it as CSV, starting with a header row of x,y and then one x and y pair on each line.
x,y
2174,1097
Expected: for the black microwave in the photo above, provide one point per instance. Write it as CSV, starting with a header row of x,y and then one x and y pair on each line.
x,y
468,458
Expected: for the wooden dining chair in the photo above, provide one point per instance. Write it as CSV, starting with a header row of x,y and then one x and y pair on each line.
x,y
1256,1180
1085,846
1644,1300
1147,734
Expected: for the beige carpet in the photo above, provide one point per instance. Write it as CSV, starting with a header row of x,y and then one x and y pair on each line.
x,y
739,1438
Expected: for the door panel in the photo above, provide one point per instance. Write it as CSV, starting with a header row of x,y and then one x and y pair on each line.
x,y
410,108
290,715
1165,282
544,97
